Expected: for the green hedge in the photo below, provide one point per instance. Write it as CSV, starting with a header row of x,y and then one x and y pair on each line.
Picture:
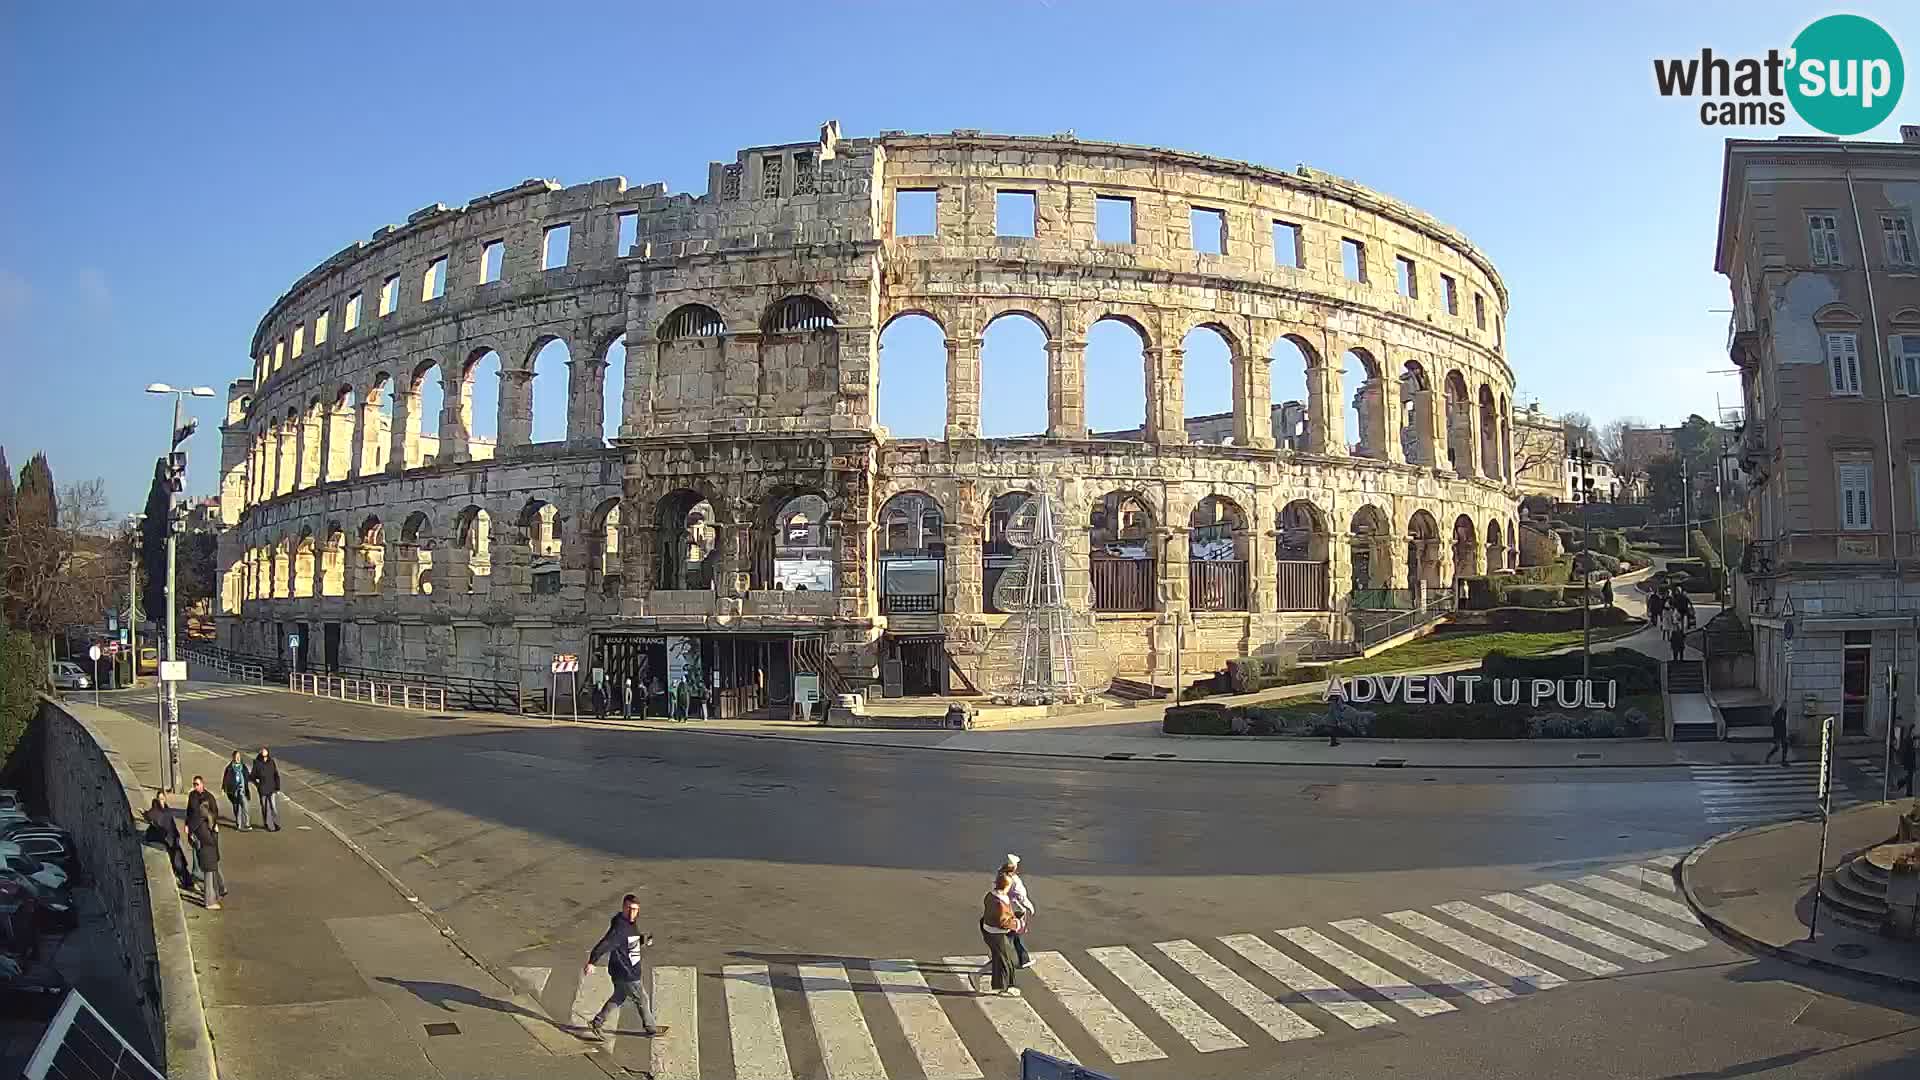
x,y
1250,674
1206,718
23,672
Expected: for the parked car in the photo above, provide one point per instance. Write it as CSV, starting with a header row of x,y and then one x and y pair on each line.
x,y
47,843
68,676
19,911
52,895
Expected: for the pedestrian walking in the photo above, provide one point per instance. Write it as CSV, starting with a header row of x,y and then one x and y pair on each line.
x,y
235,781
204,830
626,699
1677,639
1022,908
200,796
266,781
1779,737
998,921
1656,605
1907,756
1606,592
623,948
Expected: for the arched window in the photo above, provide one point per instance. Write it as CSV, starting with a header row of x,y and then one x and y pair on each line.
x,y
1217,556
1496,547
913,378
686,541
913,552
1366,420
1291,358
476,540
1013,376
304,564
613,388
1466,548
802,546
1115,379
1459,425
692,321
416,553
333,563
1207,362
1303,546
371,559
1368,557
540,528
1000,554
1423,555
798,315
548,391
1122,552
604,566
1489,434
1416,414
477,409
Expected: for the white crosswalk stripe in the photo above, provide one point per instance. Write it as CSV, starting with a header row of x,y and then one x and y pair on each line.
x,y
1481,919
1585,931
1280,984
758,1049
1652,902
1618,918
1116,1035
1760,793
1015,1020
929,1033
1306,982
1192,1022
846,1044
1275,1019
1522,972
1422,961
1664,862
1367,973
151,697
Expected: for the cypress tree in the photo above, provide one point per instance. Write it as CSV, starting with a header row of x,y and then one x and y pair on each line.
x,y
153,542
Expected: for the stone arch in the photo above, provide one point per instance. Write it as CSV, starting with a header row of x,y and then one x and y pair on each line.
x,y
1370,561
1000,557
612,372
473,532
337,423
912,552
603,547
794,541
415,554
333,561
1496,546
1513,546
540,530
1489,433
283,563
1467,553
1303,548
477,419
798,356
1114,377
691,321
1460,448
371,562
542,395
1417,415
798,313
1293,392
1014,346
688,534
1367,402
1218,547
1124,549
305,552
914,353
419,413
1424,554
690,369
1212,373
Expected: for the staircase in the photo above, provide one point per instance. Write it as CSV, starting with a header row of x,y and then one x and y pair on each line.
x,y
1694,722
810,655
1856,894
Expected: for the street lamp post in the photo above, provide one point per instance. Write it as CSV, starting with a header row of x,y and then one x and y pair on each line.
x,y
176,469
1583,491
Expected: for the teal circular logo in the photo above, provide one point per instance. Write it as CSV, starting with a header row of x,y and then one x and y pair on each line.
x,y
1847,74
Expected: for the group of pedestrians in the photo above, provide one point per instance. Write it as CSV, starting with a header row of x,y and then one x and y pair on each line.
x,y
619,695
200,820
1671,609
1003,923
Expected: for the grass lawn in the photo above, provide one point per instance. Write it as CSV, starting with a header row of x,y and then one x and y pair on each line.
x,y
1445,648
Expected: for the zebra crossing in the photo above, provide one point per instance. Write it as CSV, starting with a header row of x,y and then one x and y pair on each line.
x,y
1111,1007
206,692
1761,794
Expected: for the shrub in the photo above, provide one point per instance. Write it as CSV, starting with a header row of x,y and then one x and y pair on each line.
x,y
1207,718
1251,674
1704,549
1613,543
23,671
1533,596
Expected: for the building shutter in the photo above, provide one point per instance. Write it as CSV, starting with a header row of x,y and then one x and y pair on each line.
x,y
1843,363
1856,497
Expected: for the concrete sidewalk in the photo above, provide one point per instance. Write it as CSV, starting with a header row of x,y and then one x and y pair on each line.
x,y
317,967
1756,886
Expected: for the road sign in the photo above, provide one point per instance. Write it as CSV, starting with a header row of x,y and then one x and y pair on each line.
x,y
293,641
173,671
113,648
124,638
93,654
1826,763
564,663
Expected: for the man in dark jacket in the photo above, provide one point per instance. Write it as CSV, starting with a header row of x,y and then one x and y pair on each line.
x,y
199,795
1779,737
622,948
1908,755
163,828
266,780
204,830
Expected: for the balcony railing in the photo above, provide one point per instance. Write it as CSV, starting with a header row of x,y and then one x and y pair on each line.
x,y
1438,604
910,604
1217,585
1301,585
1122,584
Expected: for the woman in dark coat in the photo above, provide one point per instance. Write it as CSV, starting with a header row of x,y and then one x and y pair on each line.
x,y
204,831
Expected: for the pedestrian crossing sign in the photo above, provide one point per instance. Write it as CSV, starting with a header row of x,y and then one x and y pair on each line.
x,y
1035,1065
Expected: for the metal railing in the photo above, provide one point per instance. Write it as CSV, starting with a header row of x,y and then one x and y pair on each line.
x,y
227,663
1300,585
460,693
1217,585
1437,607
1122,584
370,691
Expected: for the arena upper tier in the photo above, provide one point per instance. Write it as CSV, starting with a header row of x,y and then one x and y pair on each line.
x,y
751,510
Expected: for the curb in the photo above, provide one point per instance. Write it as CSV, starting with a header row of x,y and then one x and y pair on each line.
x,y
1752,944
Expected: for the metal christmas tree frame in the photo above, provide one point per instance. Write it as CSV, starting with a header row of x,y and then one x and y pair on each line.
x,y
1047,652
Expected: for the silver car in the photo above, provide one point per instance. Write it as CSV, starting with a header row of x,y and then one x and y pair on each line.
x,y
68,676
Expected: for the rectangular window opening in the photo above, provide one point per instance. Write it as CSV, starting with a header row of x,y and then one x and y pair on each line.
x,y
915,211
492,257
629,234
1843,364
1450,293
555,245
1479,311
353,313
279,353
1208,230
1856,495
1406,277
1906,364
389,295
320,327
803,173
299,341
1286,245
1013,213
1898,229
433,284
1823,239
1353,259
1113,219
770,170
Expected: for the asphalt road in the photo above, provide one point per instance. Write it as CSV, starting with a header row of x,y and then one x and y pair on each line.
x,y
750,852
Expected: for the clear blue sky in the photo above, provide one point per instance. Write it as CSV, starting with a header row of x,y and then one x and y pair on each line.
x,y
170,169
